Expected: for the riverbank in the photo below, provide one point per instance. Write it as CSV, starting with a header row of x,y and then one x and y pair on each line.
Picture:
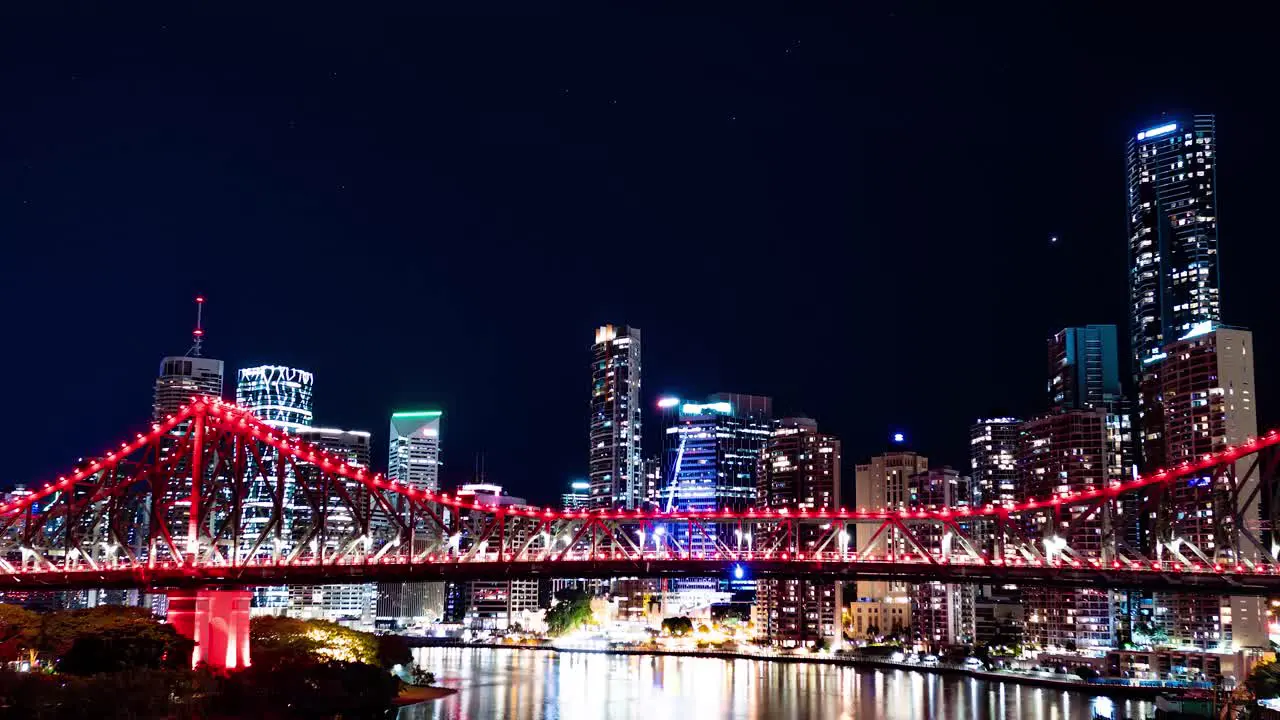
x,y
412,694
1094,688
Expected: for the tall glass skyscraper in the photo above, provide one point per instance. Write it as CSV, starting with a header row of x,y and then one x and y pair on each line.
x,y
414,448
279,396
1173,232
616,467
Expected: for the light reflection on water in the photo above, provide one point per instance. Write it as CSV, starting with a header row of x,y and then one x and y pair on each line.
x,y
542,685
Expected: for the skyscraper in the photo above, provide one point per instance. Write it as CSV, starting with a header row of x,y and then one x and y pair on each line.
x,y
352,604
881,482
1203,389
183,376
1084,367
941,613
616,467
993,454
800,470
281,397
712,452
413,458
1072,450
414,448
578,497
1173,232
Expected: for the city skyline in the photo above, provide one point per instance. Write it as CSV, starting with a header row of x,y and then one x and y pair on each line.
x,y
869,205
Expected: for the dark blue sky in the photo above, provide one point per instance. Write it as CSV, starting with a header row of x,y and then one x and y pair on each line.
x,y
848,212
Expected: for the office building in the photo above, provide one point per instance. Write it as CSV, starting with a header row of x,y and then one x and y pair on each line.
x,y
282,398
1084,367
1203,389
712,452
881,482
180,379
496,605
1173,232
352,604
993,453
941,613
578,497
414,448
615,465
800,470
413,458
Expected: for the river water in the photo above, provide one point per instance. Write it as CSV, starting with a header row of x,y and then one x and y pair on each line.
x,y
543,685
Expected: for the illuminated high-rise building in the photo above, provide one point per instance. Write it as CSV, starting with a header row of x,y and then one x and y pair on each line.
x,y
184,376
578,497
712,452
414,449
1072,451
1173,232
800,470
349,604
1084,367
882,482
280,397
993,454
941,613
1203,390
413,458
615,464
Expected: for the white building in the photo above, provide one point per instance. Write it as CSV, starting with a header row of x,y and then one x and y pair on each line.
x,y
414,449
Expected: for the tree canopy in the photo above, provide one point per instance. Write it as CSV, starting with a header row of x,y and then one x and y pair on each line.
x,y
571,612
678,626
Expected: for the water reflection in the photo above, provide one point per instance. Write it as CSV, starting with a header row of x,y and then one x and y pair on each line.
x,y
543,685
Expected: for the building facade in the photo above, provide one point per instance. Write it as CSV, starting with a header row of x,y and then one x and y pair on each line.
x,y
578,497
1203,390
1173,232
993,455
941,613
413,455
800,470
282,398
1072,450
882,482
615,463
181,378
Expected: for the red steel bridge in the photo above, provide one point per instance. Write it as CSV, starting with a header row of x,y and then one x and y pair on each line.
x,y
214,499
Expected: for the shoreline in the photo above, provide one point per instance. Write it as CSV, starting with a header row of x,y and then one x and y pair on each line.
x,y
1124,691
414,694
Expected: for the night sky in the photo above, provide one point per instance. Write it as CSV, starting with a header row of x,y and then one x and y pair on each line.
x,y
851,213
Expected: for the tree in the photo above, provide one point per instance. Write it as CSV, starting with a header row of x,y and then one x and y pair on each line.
x,y
110,638
1264,681
276,640
572,611
393,650
19,632
872,631
677,626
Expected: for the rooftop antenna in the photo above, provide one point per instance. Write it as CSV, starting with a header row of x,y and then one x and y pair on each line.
x,y
197,335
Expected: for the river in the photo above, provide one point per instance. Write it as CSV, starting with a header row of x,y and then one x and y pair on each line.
x,y
543,685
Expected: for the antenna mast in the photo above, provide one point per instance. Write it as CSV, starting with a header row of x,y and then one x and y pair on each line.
x,y
197,335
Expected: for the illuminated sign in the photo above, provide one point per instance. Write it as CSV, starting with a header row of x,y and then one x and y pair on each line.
x,y
723,408
668,402
581,485
1200,328
1157,131
899,437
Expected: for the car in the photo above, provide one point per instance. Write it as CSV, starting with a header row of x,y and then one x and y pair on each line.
x,y
974,663
929,659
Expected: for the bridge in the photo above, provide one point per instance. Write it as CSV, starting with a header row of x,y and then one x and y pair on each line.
x,y
213,500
